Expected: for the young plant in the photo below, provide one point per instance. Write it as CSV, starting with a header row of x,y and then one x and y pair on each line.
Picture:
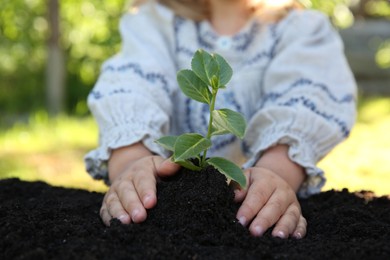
x,y
209,74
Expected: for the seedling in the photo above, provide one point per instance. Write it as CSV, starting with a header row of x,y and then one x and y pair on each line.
x,y
209,73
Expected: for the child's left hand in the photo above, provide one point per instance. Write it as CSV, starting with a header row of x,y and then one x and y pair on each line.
x,y
270,198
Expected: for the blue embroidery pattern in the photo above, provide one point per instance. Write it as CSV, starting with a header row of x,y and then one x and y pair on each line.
x,y
241,42
273,96
306,82
206,40
188,116
245,147
177,23
267,54
230,99
313,107
151,77
96,94
202,43
257,57
273,30
247,37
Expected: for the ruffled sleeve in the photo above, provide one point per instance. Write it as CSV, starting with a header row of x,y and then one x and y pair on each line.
x,y
309,96
131,100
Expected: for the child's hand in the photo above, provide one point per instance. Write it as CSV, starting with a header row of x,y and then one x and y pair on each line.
x,y
133,190
270,200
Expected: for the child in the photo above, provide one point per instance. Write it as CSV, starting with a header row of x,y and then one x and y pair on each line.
x,y
291,82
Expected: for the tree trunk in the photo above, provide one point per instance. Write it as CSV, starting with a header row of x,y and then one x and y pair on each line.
x,y
360,10
55,70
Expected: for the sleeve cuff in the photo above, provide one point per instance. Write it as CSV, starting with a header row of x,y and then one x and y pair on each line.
x,y
299,152
96,160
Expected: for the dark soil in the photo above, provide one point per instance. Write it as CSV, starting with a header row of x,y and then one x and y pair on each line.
x,y
194,219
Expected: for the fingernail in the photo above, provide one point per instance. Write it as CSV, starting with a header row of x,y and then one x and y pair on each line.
x,y
242,220
298,235
258,231
280,234
134,214
123,218
147,199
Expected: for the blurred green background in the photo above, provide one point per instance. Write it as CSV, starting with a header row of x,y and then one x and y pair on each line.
x,y
45,125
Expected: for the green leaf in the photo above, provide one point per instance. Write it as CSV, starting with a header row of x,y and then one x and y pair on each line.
x,y
168,142
218,131
189,146
214,82
193,87
205,66
225,71
229,169
189,165
230,120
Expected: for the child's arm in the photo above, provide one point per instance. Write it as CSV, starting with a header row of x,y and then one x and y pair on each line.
x,y
271,195
132,98
133,171
308,97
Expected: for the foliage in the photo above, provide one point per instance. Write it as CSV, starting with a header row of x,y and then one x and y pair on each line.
x,y
383,55
378,8
343,12
210,73
89,35
337,10
22,52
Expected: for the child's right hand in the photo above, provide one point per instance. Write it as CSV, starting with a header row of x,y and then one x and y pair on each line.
x,y
133,172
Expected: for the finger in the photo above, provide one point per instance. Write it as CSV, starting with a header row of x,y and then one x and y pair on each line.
x,y
166,168
112,208
239,192
288,222
131,202
300,230
104,215
239,195
145,186
257,196
269,214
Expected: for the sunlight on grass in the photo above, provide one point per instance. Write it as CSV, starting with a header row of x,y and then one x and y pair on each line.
x,y
362,161
52,150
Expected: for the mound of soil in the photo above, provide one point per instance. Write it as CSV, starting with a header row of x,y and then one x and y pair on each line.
x,y
194,219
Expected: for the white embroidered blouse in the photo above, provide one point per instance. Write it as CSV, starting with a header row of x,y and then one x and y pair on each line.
x,y
291,81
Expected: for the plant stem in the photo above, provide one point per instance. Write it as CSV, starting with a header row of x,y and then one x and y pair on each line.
x,y
211,109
